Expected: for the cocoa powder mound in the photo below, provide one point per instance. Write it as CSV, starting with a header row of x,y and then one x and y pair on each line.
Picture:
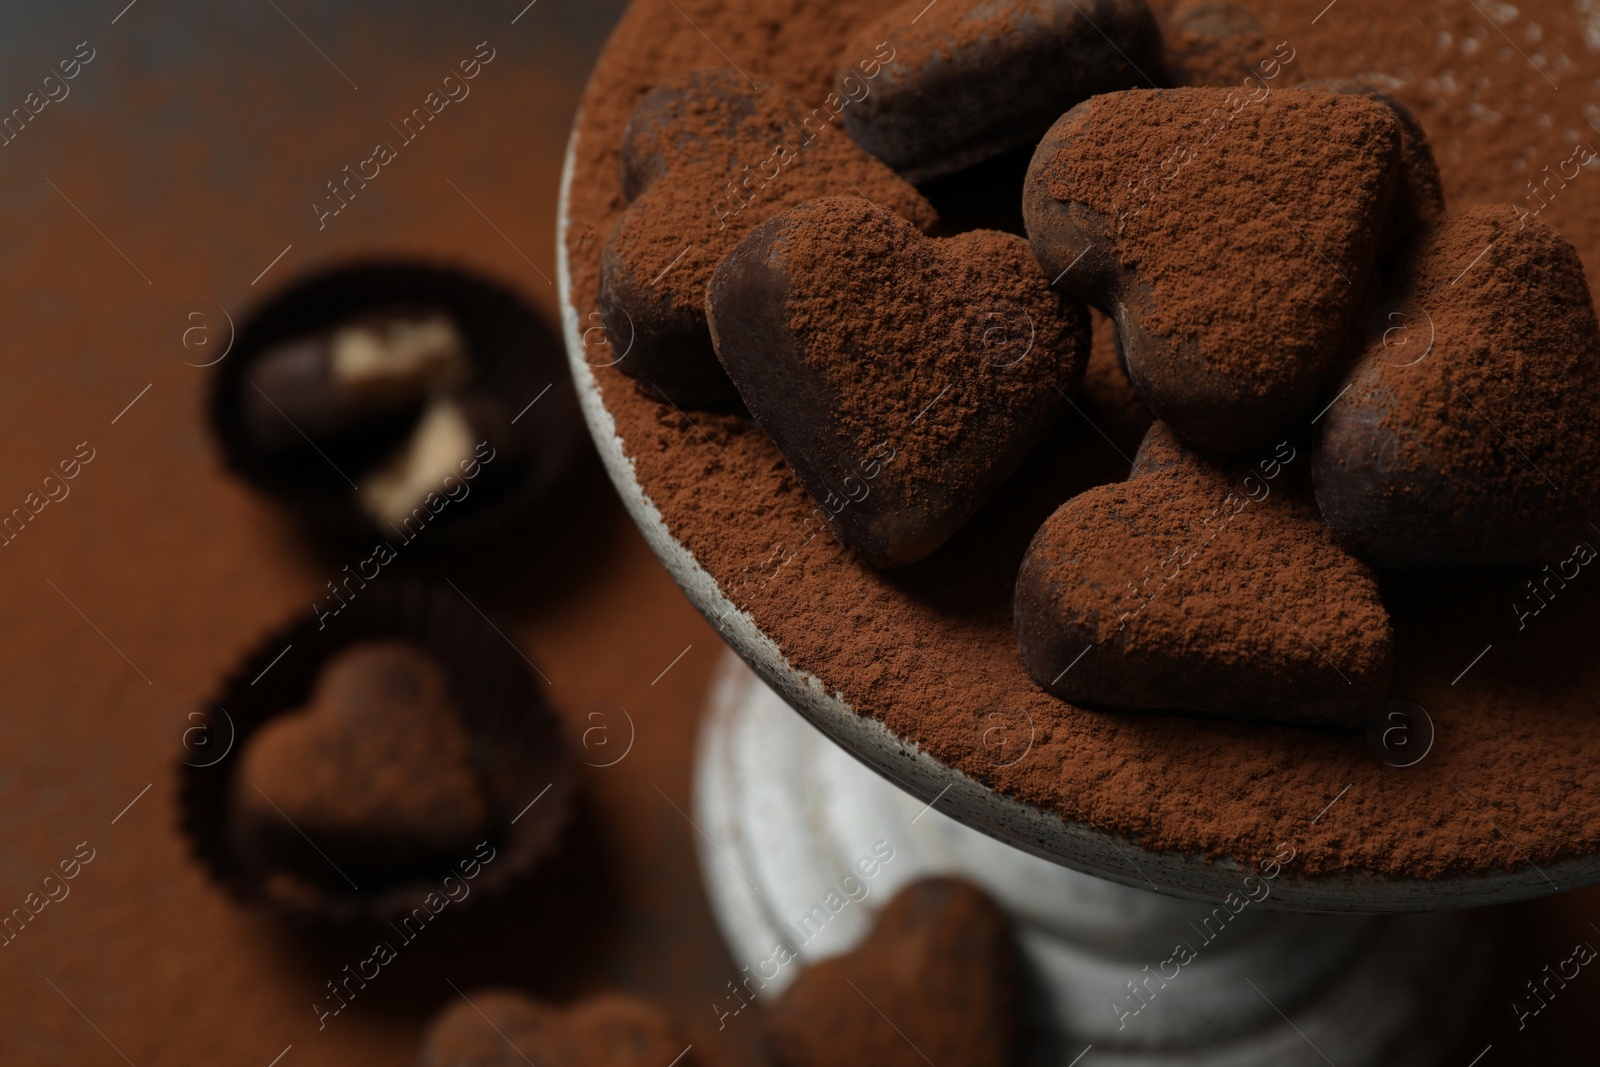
x,y
931,650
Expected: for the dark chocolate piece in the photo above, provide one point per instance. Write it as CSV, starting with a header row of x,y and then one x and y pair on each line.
x,y
705,158
1467,431
362,372
1230,235
964,80
904,377
364,420
346,757
938,980
377,771
1201,587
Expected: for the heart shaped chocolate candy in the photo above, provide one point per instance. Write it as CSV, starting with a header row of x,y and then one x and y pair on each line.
x,y
376,771
502,1028
1231,235
1203,587
938,980
903,376
936,88
705,158
1467,431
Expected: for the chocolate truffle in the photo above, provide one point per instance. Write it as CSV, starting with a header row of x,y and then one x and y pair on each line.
x,y
935,88
384,397
1467,431
1231,235
451,437
376,771
347,393
1202,586
363,371
903,376
938,980
705,158
503,1028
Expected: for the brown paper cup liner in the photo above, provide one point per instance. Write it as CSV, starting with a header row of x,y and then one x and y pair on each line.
x,y
518,359
516,742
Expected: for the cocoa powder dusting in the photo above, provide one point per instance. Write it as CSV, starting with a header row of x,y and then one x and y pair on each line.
x,y
930,650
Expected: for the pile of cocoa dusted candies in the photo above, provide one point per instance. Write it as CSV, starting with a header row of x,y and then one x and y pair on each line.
x,y
1346,377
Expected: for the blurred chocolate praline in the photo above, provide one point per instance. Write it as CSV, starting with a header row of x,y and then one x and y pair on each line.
x,y
516,743
520,386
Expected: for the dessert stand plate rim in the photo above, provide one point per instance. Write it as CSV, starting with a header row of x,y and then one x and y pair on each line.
x,y
1080,846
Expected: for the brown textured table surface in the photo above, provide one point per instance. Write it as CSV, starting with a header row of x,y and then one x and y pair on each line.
x,y
184,158
181,164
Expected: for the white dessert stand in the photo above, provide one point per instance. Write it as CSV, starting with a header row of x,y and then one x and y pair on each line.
x,y
787,812
788,815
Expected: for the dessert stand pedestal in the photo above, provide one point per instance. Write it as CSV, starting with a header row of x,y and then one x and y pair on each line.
x,y
787,813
